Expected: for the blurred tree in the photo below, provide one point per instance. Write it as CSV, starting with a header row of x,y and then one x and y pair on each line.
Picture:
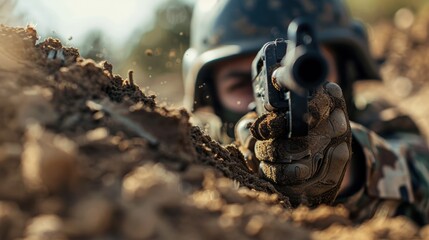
x,y
96,46
161,49
372,11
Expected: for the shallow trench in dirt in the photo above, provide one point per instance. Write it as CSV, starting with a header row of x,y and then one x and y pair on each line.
x,y
84,154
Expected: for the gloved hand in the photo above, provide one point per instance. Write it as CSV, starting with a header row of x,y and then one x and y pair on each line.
x,y
307,169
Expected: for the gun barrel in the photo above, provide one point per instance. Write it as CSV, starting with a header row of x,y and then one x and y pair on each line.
x,y
310,70
302,71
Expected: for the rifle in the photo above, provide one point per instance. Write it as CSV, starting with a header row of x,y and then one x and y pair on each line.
x,y
286,73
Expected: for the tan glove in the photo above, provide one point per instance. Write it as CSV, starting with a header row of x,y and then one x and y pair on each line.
x,y
306,169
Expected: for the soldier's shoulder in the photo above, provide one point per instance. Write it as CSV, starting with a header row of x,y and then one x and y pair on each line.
x,y
387,172
397,171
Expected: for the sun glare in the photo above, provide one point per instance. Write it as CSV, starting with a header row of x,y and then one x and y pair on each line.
x,y
74,19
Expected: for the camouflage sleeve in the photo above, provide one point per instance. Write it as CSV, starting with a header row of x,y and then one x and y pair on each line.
x,y
396,180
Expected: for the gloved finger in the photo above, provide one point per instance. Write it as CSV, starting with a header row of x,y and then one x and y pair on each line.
x,y
336,124
285,174
271,125
283,150
334,90
319,107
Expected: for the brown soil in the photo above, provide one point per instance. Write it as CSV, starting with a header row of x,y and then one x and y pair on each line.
x,y
84,154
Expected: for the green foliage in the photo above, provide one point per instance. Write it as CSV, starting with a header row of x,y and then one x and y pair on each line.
x,y
161,49
96,46
373,10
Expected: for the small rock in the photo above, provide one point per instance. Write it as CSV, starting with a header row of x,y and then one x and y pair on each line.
x,y
45,227
48,160
34,107
97,134
149,181
140,222
91,216
51,205
12,221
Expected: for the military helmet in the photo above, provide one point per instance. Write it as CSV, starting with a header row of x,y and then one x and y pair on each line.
x,y
224,29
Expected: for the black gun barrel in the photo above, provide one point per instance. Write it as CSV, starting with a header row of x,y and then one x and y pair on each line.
x,y
309,70
304,66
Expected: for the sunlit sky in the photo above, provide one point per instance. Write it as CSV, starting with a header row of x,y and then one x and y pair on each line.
x,y
73,19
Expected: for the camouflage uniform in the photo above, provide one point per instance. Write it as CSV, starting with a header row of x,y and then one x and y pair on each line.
x,y
396,174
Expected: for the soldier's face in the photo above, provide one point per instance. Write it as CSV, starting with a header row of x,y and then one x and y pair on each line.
x,y
233,81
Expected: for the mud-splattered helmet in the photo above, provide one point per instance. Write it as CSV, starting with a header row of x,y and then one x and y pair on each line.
x,y
224,29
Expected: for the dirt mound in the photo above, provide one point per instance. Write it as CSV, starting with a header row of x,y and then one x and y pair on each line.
x,y
402,46
85,154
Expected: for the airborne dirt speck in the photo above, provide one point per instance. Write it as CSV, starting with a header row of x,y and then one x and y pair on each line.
x,y
86,154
